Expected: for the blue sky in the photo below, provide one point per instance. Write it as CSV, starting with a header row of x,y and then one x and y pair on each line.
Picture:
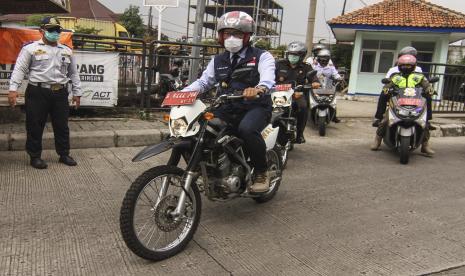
x,y
295,15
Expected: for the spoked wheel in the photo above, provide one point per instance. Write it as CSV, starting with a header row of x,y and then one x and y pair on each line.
x,y
147,223
285,153
275,174
322,126
404,149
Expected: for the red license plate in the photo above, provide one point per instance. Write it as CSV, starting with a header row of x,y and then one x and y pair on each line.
x,y
409,101
180,98
283,87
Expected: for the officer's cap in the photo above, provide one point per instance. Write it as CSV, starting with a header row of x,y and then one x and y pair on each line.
x,y
49,22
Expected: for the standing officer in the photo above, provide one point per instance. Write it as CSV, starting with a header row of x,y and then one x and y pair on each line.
x,y
50,66
293,69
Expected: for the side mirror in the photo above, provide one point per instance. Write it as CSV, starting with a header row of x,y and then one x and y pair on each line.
x,y
385,81
434,79
311,75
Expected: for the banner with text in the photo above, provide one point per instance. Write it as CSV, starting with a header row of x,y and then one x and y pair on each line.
x,y
98,73
99,78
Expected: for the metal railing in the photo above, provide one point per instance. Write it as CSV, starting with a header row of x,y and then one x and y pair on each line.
x,y
140,63
450,88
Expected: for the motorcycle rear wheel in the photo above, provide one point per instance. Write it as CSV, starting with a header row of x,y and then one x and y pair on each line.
x,y
170,236
404,149
275,172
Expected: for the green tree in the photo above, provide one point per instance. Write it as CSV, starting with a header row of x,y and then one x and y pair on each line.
x,y
35,19
341,54
133,22
263,44
84,30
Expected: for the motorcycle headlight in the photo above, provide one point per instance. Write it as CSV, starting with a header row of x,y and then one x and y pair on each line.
x,y
403,112
179,126
279,101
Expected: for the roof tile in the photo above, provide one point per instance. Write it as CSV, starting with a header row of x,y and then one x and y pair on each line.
x,y
404,13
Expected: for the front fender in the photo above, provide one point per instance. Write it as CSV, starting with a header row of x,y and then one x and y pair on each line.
x,y
160,148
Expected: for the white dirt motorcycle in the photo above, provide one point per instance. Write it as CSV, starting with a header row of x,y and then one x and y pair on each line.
x,y
323,103
407,119
284,118
161,210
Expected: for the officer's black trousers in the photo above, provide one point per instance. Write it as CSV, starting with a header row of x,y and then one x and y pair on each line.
x,y
382,104
40,102
301,107
249,121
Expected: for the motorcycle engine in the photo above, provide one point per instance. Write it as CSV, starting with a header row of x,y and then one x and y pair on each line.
x,y
227,177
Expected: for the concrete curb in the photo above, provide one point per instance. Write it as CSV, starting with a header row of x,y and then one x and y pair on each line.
x,y
145,137
89,139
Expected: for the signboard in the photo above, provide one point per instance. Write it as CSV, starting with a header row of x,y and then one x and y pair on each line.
x,y
99,78
283,87
176,98
410,101
164,3
5,75
98,73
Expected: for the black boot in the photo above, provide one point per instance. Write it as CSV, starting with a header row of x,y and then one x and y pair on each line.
x,y
38,163
336,120
300,139
67,160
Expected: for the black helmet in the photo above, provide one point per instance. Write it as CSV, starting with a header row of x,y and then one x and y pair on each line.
x,y
323,57
409,50
317,48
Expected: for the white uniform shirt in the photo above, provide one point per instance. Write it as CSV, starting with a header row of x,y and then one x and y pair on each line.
x,y
46,64
395,69
327,71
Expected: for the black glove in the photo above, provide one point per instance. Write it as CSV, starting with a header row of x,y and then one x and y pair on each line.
x,y
376,123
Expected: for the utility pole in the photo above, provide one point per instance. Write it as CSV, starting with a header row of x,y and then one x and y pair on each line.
x,y
197,38
311,25
149,25
344,7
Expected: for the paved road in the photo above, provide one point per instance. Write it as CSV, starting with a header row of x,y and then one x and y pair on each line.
x,y
341,210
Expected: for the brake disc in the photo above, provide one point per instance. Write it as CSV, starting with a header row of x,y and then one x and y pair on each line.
x,y
163,218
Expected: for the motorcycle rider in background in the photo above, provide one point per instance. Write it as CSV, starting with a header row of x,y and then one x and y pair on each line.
x,y
293,69
383,98
249,116
407,77
315,50
325,69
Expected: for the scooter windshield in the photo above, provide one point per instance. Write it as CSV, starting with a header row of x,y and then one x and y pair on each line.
x,y
327,86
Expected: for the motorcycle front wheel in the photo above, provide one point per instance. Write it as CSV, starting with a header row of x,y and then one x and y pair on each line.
x,y
404,149
146,222
275,173
322,126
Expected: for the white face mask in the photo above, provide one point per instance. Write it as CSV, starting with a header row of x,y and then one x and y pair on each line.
x,y
233,44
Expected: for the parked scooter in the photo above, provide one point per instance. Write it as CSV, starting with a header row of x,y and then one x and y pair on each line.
x,y
407,119
323,103
161,210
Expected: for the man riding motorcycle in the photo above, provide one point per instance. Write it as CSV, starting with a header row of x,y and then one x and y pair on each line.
x,y
293,69
383,98
257,70
315,50
325,69
406,78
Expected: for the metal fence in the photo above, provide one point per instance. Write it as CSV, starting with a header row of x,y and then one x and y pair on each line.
x,y
450,88
147,71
